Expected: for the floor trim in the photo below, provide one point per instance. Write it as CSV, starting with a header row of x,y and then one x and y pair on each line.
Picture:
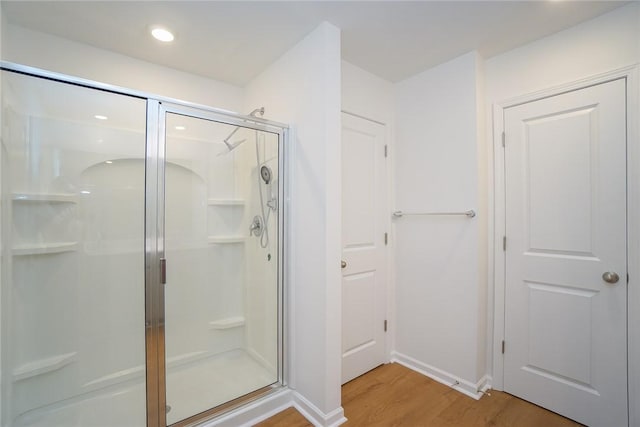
x,y
472,390
315,416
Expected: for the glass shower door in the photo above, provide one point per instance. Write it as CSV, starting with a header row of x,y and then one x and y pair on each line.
x,y
72,289
222,251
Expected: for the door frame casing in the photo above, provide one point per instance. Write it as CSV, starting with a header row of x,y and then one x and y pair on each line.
x,y
630,74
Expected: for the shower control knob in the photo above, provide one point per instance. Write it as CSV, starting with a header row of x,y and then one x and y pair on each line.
x,y
343,264
256,226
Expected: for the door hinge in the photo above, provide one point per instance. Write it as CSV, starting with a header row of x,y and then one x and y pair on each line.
x,y
502,346
386,238
163,271
385,326
503,139
627,278
504,243
386,151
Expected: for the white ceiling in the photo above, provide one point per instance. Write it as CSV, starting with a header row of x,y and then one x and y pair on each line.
x,y
233,41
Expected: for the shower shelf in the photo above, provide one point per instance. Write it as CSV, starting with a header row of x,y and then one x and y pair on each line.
x,y
227,323
226,202
45,197
225,239
47,248
42,366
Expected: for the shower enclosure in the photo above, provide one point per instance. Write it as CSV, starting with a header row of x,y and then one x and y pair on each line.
x,y
142,252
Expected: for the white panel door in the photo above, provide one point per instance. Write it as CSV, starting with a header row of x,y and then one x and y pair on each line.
x,y
364,215
565,325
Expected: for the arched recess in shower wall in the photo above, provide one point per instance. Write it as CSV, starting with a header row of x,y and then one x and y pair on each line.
x,y
136,287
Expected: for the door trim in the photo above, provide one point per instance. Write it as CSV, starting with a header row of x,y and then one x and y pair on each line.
x,y
497,228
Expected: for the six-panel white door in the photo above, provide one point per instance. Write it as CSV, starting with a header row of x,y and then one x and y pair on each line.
x,y
364,214
565,326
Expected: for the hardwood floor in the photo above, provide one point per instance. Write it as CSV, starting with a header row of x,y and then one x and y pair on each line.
x,y
392,395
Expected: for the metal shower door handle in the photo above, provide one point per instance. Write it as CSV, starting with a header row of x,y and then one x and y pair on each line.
x,y
163,271
610,277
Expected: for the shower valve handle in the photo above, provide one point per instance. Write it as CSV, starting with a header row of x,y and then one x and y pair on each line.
x,y
256,226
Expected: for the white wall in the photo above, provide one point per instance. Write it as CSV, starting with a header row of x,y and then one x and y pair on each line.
x,y
303,88
603,44
27,47
366,95
439,291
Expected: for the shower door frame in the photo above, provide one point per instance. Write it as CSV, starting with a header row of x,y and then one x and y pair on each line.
x,y
156,109
155,256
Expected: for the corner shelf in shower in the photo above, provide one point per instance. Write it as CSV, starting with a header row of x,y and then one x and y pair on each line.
x,y
225,239
227,323
225,202
45,248
45,213
42,366
45,197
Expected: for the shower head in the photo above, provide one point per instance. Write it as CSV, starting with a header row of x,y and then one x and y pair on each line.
x,y
265,173
233,145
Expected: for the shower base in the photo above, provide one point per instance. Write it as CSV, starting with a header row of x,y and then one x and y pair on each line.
x,y
191,388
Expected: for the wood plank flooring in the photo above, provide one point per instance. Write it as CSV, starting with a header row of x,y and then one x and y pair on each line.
x,y
392,395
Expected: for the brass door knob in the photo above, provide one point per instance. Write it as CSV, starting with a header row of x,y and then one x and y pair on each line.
x,y
343,264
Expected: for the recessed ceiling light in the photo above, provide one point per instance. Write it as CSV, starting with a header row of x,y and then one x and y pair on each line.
x,y
162,34
180,128
100,117
108,162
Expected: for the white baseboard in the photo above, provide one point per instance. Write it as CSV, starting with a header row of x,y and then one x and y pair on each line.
x,y
485,384
472,390
315,416
269,406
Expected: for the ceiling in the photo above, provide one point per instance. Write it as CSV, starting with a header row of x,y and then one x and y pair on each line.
x,y
233,41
